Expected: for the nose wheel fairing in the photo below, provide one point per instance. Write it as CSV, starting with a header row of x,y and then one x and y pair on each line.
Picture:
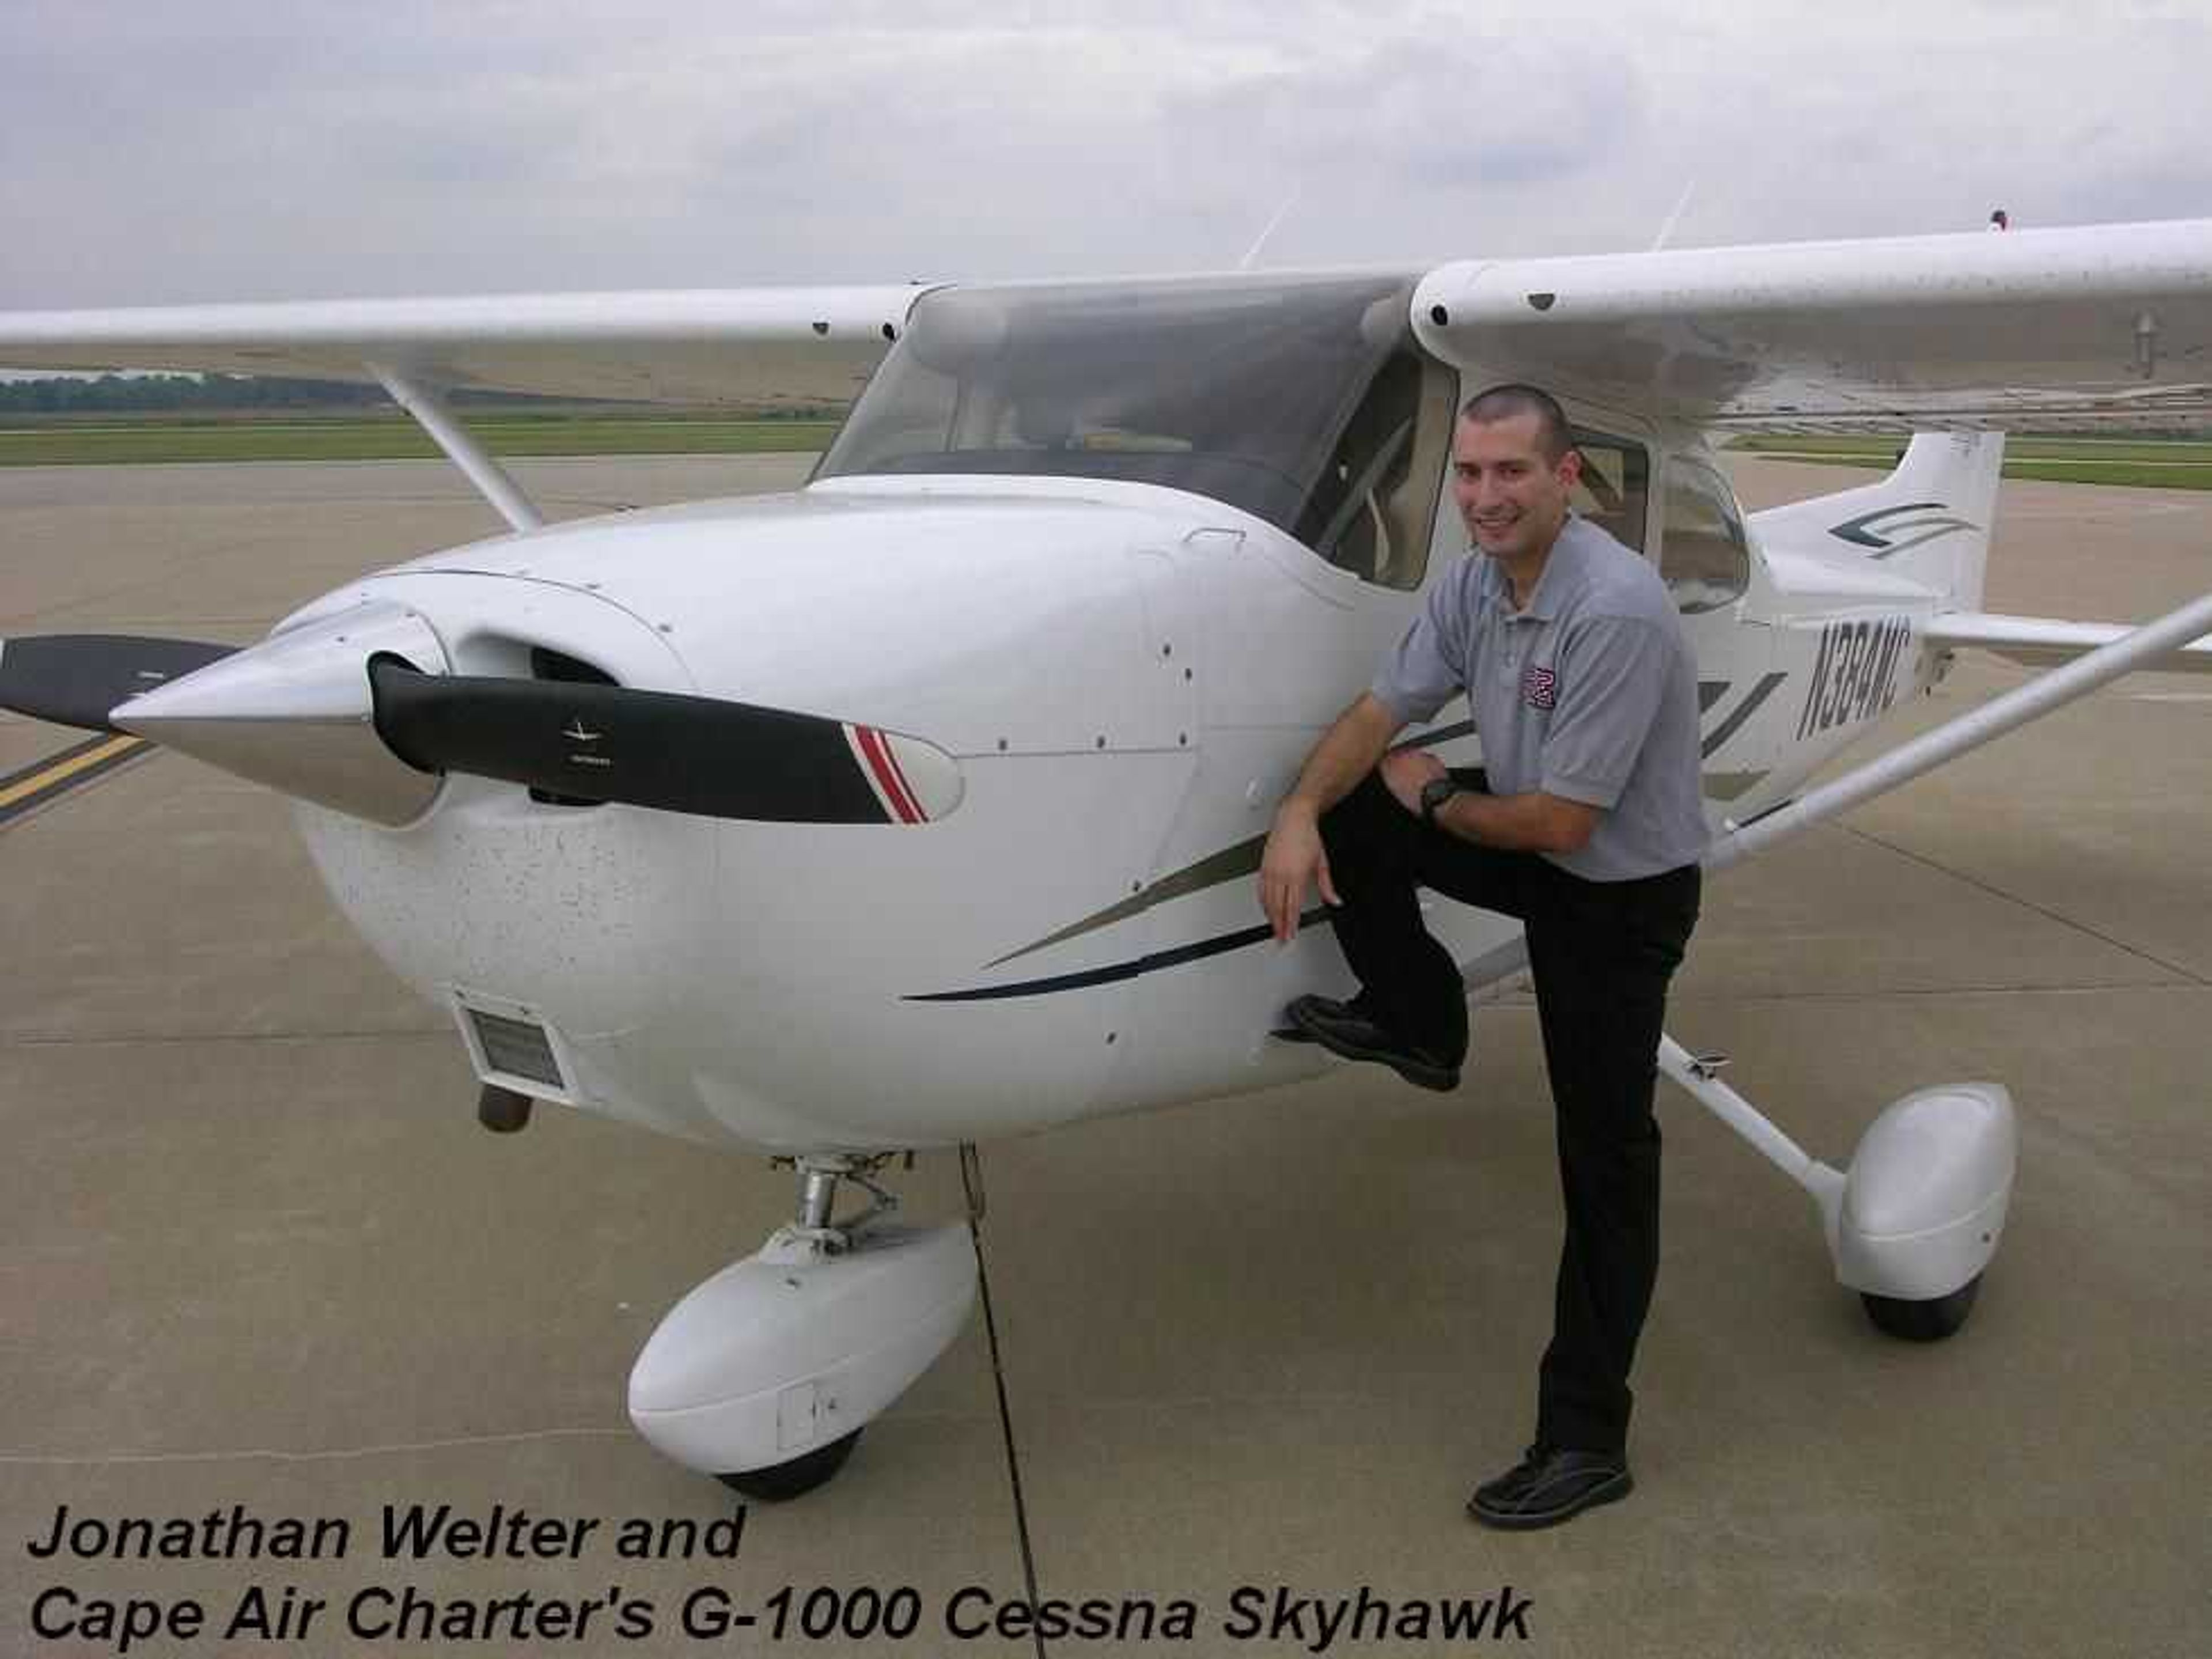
x,y
764,1375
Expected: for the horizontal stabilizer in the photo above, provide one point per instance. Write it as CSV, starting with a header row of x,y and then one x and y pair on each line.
x,y
2046,641
2152,645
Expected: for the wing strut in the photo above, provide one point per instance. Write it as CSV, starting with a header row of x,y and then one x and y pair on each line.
x,y
2040,696
490,478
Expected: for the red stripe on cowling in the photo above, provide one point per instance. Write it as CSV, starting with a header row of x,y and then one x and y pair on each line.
x,y
871,745
891,759
856,743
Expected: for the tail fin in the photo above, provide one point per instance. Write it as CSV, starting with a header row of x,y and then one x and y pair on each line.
x,y
1930,519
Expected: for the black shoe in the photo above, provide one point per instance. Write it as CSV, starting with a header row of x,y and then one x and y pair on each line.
x,y
1355,1009
1346,1031
1549,1486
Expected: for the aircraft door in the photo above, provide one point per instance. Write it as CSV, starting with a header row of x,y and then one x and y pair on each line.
x,y
1705,558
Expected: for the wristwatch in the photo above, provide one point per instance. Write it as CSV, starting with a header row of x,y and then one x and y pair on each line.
x,y
1434,793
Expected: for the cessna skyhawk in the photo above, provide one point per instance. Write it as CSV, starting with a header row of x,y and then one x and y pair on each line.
x,y
921,806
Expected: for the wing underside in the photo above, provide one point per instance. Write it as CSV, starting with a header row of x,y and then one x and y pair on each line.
x,y
761,347
2025,331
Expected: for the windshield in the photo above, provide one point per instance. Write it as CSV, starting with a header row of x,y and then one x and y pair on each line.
x,y
1239,389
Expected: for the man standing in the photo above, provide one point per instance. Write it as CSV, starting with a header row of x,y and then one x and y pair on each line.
x,y
1586,823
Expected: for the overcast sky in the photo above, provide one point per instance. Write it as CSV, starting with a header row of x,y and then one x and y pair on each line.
x,y
245,149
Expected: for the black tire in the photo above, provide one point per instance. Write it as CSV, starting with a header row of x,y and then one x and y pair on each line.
x,y
780,1481
1922,1321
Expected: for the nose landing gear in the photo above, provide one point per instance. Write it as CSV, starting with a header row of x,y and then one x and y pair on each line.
x,y
764,1376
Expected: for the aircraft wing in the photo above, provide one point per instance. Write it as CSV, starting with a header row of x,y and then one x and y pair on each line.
x,y
2108,324
2026,329
2046,642
754,345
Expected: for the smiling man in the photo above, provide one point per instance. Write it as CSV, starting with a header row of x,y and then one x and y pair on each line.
x,y
1586,823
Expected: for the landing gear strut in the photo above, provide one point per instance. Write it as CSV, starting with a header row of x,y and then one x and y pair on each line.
x,y
764,1376
819,1176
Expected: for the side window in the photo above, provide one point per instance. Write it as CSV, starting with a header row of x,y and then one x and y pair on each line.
x,y
1372,509
1704,556
1614,490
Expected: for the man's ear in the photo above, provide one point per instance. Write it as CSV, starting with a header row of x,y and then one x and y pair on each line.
x,y
1569,469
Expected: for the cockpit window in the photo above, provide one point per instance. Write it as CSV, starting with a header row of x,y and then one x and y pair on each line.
x,y
1704,556
1302,401
1374,506
1615,485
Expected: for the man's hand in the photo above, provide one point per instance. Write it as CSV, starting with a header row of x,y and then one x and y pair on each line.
x,y
1406,773
1293,857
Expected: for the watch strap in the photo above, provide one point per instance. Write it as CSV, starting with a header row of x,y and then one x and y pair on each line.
x,y
1434,794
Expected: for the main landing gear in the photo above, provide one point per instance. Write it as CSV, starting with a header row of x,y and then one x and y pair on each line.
x,y
1915,1219
764,1376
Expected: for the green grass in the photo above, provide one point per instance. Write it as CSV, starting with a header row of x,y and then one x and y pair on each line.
x,y
2147,476
124,442
2048,449
128,440
2175,464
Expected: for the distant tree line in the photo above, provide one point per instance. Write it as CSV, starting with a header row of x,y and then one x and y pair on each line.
x,y
73,395
129,393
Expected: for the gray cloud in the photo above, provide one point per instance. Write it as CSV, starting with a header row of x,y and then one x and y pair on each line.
x,y
1490,110
236,150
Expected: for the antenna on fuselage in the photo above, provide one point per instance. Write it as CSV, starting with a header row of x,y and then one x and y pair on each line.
x,y
1253,252
1666,229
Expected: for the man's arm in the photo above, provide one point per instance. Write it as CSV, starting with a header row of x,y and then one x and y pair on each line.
x,y
1533,823
1294,856
1536,822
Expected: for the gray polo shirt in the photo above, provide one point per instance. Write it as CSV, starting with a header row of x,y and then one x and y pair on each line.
x,y
1590,693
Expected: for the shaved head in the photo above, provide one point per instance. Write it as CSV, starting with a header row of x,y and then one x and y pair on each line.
x,y
1505,403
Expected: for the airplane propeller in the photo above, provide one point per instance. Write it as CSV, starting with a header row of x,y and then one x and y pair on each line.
x,y
280,713
585,742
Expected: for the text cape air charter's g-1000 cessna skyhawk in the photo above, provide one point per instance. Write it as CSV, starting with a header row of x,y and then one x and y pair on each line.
x,y
681,813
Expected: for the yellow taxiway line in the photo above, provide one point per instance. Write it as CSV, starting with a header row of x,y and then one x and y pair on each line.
x,y
47,777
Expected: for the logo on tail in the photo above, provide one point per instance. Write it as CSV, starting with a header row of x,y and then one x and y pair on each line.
x,y
1893,521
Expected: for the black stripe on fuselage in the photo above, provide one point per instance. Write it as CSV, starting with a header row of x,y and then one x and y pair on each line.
x,y
1743,712
1219,945
1227,865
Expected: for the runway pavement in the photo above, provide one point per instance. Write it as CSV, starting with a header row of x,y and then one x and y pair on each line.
x,y
255,1252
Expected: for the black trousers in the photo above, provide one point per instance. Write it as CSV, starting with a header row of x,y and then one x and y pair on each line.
x,y
1602,954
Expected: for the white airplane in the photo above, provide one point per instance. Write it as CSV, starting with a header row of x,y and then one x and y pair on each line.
x,y
921,805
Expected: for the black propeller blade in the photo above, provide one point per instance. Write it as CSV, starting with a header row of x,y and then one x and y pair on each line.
x,y
75,680
586,743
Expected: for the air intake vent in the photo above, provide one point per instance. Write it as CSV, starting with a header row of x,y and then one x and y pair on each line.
x,y
517,1047
546,664
552,666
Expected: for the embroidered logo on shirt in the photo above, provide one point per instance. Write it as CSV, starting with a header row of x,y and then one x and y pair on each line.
x,y
1540,687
